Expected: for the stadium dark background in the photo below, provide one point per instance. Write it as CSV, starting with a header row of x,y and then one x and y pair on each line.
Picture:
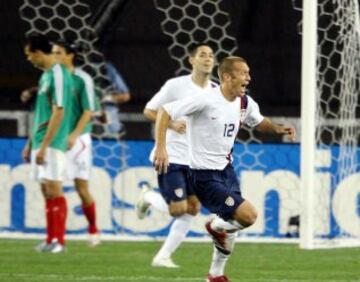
x,y
266,33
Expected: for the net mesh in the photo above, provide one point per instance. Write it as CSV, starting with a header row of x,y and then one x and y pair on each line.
x,y
186,22
337,126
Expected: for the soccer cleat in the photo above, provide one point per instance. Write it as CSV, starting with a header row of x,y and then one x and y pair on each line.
x,y
43,247
94,240
220,239
57,248
142,207
221,278
163,262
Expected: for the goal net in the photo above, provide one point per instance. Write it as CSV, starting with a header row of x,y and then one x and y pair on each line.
x,y
330,124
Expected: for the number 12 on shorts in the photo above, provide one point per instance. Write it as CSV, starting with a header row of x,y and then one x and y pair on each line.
x,y
229,129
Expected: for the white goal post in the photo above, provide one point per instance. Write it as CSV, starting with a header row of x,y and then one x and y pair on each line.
x,y
330,137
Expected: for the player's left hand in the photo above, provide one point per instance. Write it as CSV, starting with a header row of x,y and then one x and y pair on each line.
x,y
40,157
71,140
26,152
178,125
288,131
161,160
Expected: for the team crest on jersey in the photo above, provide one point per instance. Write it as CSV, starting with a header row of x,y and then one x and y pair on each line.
x,y
242,114
229,201
179,192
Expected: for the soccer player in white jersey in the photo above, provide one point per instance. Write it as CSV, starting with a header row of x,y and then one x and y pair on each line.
x,y
79,155
175,189
47,145
212,126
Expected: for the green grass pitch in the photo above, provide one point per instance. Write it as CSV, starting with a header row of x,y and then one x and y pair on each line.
x,y
130,261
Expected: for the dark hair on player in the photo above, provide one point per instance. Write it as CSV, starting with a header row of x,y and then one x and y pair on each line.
x,y
70,48
38,41
194,47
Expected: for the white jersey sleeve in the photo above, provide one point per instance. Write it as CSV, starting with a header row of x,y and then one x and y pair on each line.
x,y
160,98
253,116
186,106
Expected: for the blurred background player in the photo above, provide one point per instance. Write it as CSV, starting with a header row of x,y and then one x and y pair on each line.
x,y
28,95
213,124
79,155
48,143
119,95
175,188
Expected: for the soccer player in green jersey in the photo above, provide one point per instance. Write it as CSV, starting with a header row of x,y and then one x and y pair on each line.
x,y
48,143
79,156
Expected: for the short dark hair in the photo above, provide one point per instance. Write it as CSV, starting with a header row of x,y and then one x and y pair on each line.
x,y
70,47
194,47
227,63
38,41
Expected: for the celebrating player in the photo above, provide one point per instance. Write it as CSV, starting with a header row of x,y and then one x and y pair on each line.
x,y
212,126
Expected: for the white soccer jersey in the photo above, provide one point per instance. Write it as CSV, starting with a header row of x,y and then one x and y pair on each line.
x,y
175,89
213,123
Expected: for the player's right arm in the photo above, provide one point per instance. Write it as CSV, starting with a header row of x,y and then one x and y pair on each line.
x,y
174,110
161,160
178,125
54,124
87,102
57,113
159,99
81,124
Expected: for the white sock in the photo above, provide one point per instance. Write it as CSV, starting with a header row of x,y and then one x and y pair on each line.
x,y
177,234
220,224
156,200
219,259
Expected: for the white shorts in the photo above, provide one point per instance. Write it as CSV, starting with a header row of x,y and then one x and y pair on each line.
x,y
79,158
54,166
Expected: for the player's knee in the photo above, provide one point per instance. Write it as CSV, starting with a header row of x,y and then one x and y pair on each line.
x,y
246,217
249,218
177,209
193,209
193,205
176,213
53,190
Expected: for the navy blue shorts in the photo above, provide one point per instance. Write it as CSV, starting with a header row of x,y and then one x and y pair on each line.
x,y
175,184
218,190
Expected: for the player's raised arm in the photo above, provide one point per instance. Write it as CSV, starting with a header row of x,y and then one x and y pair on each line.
x,y
268,126
161,161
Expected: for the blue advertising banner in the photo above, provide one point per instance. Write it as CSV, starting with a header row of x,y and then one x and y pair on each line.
x,y
269,177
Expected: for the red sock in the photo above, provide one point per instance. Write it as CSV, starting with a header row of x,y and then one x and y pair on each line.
x,y
90,214
49,220
60,214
